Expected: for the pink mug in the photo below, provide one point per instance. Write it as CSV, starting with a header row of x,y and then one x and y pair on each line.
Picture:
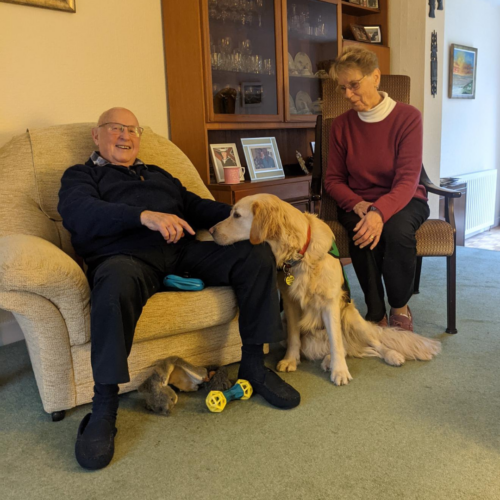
x,y
232,174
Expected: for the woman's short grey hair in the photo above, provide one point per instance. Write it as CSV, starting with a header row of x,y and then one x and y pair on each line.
x,y
356,58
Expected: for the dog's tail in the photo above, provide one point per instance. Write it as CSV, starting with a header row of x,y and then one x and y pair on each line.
x,y
364,338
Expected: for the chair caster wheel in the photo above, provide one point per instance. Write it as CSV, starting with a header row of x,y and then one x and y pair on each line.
x,y
57,416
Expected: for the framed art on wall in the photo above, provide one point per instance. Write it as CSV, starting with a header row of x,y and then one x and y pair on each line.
x,y
224,155
263,158
462,72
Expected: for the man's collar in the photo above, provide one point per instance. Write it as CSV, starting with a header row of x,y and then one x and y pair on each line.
x,y
99,161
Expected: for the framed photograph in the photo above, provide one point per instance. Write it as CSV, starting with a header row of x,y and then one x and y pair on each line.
x,y
67,5
373,4
374,33
360,35
263,158
224,155
251,94
462,74
355,2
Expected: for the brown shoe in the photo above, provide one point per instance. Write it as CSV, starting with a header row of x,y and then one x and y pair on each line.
x,y
402,321
383,322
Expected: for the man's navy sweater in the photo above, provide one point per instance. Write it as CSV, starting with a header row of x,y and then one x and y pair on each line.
x,y
101,207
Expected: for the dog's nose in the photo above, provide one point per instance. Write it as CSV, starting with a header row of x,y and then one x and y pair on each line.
x,y
212,230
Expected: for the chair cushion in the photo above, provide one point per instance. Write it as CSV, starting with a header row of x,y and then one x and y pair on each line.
x,y
170,313
434,238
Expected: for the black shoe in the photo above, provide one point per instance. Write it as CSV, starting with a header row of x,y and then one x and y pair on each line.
x,y
95,443
273,389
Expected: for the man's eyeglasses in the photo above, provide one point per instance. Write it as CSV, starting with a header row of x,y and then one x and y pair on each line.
x,y
352,87
118,128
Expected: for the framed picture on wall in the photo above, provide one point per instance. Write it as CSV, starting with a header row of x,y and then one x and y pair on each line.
x,y
263,158
374,33
224,155
360,34
462,72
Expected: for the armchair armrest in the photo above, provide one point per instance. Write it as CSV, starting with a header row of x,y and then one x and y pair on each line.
x,y
32,265
432,188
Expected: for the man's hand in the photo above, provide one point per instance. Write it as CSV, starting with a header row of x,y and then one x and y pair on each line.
x,y
170,226
368,230
361,208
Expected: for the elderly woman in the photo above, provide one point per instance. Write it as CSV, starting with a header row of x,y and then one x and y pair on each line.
x,y
373,174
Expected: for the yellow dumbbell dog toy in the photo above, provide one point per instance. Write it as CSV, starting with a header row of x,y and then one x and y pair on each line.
x,y
217,400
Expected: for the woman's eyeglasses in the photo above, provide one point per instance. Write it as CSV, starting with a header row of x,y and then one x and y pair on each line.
x,y
353,86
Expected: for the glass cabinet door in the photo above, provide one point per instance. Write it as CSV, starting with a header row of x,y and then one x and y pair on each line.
x,y
312,44
243,58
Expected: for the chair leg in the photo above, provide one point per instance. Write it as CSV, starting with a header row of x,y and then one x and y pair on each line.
x,y
418,271
451,285
57,416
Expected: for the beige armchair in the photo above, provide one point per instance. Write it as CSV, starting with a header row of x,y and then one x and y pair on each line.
x,y
45,288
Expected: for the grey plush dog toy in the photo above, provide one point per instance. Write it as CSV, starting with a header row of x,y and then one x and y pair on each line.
x,y
174,371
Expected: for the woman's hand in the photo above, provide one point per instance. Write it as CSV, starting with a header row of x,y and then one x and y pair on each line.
x,y
361,208
170,226
368,230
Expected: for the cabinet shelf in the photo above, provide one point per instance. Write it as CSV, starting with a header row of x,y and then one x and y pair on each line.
x,y
358,10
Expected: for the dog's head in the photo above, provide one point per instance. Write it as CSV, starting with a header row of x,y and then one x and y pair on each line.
x,y
257,218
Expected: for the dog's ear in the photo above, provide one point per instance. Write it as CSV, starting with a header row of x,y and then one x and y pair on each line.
x,y
265,224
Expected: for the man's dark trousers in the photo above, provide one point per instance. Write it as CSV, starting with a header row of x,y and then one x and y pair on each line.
x,y
122,284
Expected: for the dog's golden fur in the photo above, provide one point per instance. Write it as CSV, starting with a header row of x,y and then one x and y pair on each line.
x,y
320,322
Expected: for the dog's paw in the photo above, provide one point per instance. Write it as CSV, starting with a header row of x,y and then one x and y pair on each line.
x,y
325,364
287,365
394,358
340,376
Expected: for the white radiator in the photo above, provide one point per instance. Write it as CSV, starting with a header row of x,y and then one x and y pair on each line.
x,y
481,195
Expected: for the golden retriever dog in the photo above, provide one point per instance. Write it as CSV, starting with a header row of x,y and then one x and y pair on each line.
x,y
321,320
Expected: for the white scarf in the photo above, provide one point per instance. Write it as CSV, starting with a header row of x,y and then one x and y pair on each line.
x,y
380,111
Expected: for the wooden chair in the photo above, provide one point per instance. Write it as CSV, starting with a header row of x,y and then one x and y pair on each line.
x,y
435,238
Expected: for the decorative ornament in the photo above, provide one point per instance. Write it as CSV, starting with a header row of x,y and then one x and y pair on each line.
x,y
434,63
432,8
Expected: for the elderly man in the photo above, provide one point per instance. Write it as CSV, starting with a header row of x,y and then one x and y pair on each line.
x,y
134,224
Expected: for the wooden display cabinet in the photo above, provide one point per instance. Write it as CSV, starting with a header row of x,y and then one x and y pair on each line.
x,y
229,75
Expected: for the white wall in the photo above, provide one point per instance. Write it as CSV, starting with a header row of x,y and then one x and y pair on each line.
x,y
410,31
470,128
58,67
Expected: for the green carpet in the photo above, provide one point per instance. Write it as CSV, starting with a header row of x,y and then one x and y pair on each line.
x,y
427,430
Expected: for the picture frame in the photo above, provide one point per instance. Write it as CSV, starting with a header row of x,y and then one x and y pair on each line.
x,y
374,33
462,72
313,146
355,2
66,5
360,35
251,94
263,158
373,4
224,155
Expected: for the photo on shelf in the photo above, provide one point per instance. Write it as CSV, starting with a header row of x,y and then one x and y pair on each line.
x,y
373,4
375,33
356,2
224,155
263,159
360,34
251,94
462,72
